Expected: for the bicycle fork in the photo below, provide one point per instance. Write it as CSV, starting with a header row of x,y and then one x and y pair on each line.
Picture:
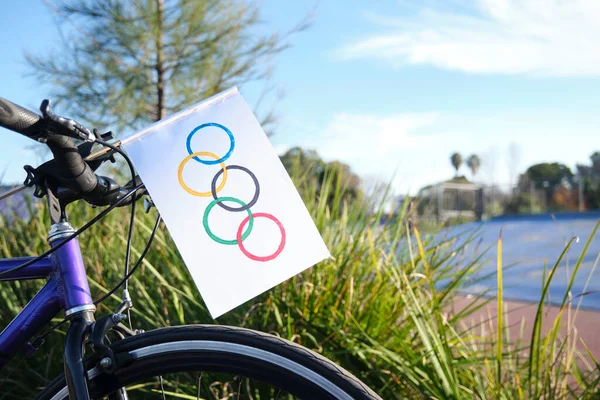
x,y
75,371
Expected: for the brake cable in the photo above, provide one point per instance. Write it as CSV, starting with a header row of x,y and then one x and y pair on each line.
x,y
135,266
131,221
126,297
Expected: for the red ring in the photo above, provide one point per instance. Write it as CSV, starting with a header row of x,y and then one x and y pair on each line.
x,y
252,256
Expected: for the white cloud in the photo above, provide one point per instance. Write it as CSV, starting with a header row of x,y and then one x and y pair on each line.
x,y
368,136
385,147
533,37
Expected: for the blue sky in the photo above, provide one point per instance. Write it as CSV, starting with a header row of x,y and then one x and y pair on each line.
x,y
393,87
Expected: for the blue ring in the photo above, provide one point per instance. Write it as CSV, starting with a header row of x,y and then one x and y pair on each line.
x,y
211,162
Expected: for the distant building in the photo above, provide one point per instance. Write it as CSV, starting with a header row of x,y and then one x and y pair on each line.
x,y
456,198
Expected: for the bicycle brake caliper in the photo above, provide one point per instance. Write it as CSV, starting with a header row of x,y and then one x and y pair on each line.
x,y
101,327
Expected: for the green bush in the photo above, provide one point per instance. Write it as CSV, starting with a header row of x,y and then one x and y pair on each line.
x,y
379,307
523,204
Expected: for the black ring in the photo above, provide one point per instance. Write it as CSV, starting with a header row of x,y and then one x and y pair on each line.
x,y
213,189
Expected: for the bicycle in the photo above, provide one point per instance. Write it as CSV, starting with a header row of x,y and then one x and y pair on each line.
x,y
116,367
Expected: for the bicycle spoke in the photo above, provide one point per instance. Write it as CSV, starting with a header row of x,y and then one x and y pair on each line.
x,y
199,386
249,390
239,390
162,388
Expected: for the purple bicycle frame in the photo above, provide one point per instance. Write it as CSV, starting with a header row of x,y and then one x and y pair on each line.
x,y
66,288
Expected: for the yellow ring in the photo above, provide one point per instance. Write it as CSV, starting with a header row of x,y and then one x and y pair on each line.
x,y
186,187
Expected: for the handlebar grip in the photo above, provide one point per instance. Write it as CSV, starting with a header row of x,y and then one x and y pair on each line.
x,y
19,119
71,165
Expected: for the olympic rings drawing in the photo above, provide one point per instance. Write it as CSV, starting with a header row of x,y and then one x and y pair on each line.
x,y
215,237
219,160
241,234
214,190
240,237
186,187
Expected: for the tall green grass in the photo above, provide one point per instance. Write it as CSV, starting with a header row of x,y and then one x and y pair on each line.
x,y
382,306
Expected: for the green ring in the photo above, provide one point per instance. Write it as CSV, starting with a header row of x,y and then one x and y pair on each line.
x,y
215,237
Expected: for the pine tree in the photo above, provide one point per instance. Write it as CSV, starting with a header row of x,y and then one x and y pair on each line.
x,y
129,63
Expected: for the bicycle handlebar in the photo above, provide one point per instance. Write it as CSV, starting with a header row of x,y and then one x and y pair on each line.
x,y
71,166
74,171
21,120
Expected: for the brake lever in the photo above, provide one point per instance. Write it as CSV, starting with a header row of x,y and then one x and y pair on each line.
x,y
68,127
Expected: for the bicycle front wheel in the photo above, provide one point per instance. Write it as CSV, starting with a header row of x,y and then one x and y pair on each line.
x,y
208,361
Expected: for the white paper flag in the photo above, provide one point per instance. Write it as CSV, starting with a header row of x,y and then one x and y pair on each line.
x,y
229,204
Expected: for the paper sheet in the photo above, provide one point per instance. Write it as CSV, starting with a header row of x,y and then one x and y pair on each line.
x,y
229,204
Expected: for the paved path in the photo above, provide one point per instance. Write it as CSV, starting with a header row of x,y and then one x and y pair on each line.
x,y
529,242
586,322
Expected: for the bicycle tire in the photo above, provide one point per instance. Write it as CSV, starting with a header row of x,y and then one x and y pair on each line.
x,y
215,348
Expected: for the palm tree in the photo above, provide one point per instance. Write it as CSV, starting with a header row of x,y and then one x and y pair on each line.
x,y
474,162
456,160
